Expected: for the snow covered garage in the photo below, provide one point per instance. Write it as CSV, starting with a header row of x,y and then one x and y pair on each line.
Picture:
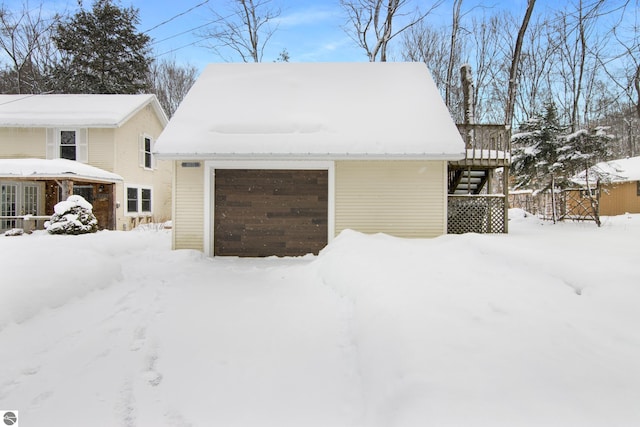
x,y
279,158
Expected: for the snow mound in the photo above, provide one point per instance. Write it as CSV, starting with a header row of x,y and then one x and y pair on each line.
x,y
50,279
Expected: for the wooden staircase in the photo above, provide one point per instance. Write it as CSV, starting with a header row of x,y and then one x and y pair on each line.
x,y
467,181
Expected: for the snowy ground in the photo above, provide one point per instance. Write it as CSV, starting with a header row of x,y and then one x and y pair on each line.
x,y
540,327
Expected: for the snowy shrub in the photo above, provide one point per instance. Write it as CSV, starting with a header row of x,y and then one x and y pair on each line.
x,y
14,232
72,216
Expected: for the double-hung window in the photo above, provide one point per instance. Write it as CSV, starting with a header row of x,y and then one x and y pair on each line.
x,y
138,200
145,155
70,144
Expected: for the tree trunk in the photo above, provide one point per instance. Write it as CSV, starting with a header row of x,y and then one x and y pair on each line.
x,y
515,61
454,34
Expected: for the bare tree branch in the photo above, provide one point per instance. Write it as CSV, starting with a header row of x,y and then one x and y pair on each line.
x,y
246,31
370,23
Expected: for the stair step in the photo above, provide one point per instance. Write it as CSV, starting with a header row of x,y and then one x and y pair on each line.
x,y
473,173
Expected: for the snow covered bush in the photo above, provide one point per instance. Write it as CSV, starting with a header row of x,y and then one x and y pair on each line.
x,y
72,216
14,232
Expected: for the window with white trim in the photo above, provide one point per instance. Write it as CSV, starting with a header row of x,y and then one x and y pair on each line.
x,y
71,144
68,144
138,200
146,157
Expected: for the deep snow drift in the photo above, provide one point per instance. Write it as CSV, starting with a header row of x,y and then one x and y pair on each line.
x,y
538,327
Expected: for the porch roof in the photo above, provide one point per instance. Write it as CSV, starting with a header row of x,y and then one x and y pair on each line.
x,y
40,169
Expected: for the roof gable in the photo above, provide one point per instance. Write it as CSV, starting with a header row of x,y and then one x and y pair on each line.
x,y
85,110
312,110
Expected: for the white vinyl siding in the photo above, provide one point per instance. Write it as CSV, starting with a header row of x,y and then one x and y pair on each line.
x,y
401,198
188,214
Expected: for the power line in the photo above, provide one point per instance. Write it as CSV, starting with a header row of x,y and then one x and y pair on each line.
x,y
176,16
180,34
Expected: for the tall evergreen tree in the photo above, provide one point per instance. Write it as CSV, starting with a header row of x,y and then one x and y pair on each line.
x,y
535,150
101,51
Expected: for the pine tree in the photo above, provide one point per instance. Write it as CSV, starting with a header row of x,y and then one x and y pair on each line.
x,y
101,52
535,149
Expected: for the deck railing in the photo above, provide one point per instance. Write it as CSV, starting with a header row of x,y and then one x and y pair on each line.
x,y
486,142
26,222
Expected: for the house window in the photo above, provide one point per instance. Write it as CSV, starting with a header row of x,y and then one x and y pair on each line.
x,y
638,188
138,200
145,152
68,144
132,200
145,200
86,191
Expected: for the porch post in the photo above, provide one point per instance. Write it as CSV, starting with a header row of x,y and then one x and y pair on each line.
x,y
66,189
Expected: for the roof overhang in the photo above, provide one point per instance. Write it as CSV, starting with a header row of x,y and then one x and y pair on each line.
x,y
54,169
310,157
75,111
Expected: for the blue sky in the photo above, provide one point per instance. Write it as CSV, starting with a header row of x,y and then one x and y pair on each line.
x,y
310,30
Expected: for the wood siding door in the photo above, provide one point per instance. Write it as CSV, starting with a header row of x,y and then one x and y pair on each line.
x,y
270,212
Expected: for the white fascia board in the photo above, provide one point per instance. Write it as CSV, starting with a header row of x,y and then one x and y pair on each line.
x,y
269,157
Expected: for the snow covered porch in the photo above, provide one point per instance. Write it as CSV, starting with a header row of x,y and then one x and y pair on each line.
x,y
30,188
478,184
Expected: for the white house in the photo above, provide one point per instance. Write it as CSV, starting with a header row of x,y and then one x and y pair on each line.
x,y
114,133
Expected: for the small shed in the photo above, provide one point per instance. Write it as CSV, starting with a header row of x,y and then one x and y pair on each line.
x,y
278,158
619,185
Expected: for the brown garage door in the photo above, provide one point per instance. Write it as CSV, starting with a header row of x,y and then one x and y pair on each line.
x,y
270,212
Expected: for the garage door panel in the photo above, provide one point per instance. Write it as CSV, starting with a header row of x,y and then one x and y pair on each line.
x,y
270,212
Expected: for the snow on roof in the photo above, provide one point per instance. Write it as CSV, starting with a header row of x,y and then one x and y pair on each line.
x,y
73,110
621,170
330,110
54,168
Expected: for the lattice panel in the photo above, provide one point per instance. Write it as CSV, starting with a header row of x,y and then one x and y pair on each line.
x,y
476,214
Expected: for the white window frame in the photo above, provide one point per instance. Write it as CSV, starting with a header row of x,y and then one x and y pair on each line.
x,y
53,143
142,152
138,211
210,167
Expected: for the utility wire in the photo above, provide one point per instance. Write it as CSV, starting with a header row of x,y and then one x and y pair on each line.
x,y
176,16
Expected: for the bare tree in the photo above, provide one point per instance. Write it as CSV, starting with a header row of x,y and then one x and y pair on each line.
x,y
370,22
515,62
25,38
490,44
422,43
535,79
246,30
171,82
455,25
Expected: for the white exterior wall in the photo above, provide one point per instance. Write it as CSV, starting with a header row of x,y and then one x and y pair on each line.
x,y
401,198
127,164
188,207
22,143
